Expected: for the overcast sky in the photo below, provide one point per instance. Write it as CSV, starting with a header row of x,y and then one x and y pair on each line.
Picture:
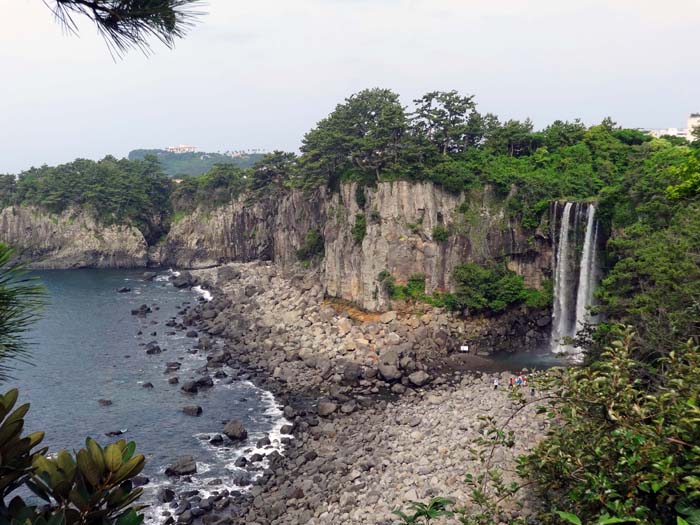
x,y
259,74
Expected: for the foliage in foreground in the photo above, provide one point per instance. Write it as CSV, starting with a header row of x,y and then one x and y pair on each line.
x,y
627,439
21,298
91,487
623,446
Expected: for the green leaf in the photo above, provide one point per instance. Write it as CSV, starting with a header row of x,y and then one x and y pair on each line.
x,y
87,468
571,518
113,457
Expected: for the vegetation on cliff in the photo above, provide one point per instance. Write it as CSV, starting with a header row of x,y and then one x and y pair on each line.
x,y
115,191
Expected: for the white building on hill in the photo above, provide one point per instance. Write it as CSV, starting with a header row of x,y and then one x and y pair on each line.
x,y
182,148
684,133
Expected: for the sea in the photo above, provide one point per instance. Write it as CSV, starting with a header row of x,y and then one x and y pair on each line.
x,y
88,346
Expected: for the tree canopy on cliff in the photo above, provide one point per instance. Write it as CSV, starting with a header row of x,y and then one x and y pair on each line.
x,y
116,191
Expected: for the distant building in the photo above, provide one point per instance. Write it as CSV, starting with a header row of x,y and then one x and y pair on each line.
x,y
684,133
182,148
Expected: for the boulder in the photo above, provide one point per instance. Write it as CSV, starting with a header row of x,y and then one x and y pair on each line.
x,y
205,382
166,495
183,466
192,410
149,276
141,311
387,317
123,289
217,439
226,273
183,280
190,387
389,372
235,430
419,378
326,408
344,326
153,348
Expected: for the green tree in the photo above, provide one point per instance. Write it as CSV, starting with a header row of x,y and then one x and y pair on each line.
x,y
442,119
364,134
559,134
273,170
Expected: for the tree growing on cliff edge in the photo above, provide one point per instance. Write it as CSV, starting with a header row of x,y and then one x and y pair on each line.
x,y
363,134
129,24
446,121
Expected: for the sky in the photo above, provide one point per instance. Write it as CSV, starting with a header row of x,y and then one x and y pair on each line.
x,y
259,74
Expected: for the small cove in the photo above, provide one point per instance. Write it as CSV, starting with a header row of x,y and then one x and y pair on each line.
x,y
86,347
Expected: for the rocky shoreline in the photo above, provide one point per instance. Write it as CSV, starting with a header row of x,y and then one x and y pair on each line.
x,y
379,411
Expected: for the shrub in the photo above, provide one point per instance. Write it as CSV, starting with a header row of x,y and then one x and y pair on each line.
x,y
312,247
624,446
92,486
492,288
359,230
440,233
387,282
360,198
415,227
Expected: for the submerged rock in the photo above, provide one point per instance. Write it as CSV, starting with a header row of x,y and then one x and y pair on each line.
x,y
235,430
192,410
183,466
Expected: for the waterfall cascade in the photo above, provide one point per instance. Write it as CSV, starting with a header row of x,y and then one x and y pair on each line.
x,y
575,276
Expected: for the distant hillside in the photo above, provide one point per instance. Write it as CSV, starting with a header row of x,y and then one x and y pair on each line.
x,y
178,164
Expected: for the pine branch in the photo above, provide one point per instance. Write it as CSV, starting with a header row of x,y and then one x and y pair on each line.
x,y
128,24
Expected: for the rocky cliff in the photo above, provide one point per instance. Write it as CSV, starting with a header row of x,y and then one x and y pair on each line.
x,y
271,229
72,239
401,221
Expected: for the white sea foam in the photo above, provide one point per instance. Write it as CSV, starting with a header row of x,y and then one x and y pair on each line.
x,y
206,294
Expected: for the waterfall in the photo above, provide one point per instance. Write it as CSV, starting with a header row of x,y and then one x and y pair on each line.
x,y
584,295
575,278
561,310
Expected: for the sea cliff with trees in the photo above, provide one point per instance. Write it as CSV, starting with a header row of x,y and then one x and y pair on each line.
x,y
436,223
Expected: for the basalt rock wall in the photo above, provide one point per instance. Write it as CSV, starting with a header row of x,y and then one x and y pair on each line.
x,y
72,239
402,219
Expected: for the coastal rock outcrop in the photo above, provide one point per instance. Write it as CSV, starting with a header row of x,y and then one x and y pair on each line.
x,y
72,239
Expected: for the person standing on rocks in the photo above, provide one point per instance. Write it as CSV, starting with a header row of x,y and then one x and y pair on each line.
x,y
511,382
495,383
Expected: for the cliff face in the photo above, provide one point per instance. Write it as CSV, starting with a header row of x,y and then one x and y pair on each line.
x,y
269,229
70,240
401,220
400,217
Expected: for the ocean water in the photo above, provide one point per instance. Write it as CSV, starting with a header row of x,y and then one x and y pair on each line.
x,y
86,348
